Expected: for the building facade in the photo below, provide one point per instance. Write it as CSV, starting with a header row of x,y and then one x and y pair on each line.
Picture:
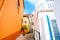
x,y
45,23
11,14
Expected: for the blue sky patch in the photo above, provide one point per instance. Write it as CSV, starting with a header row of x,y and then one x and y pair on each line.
x,y
29,7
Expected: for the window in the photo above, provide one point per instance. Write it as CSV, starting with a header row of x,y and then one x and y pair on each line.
x,y
55,30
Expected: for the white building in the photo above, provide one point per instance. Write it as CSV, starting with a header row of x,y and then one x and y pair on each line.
x,y
45,24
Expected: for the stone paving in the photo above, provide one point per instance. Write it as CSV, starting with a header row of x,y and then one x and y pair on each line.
x,y
25,37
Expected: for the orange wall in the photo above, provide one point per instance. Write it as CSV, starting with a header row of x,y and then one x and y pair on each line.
x,y
1,3
10,19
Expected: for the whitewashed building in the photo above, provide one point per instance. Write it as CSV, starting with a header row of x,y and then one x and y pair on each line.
x,y
45,24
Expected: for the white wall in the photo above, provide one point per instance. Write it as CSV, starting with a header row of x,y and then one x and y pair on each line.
x,y
57,12
44,31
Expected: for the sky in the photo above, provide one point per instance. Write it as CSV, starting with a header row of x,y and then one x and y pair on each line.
x,y
29,6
